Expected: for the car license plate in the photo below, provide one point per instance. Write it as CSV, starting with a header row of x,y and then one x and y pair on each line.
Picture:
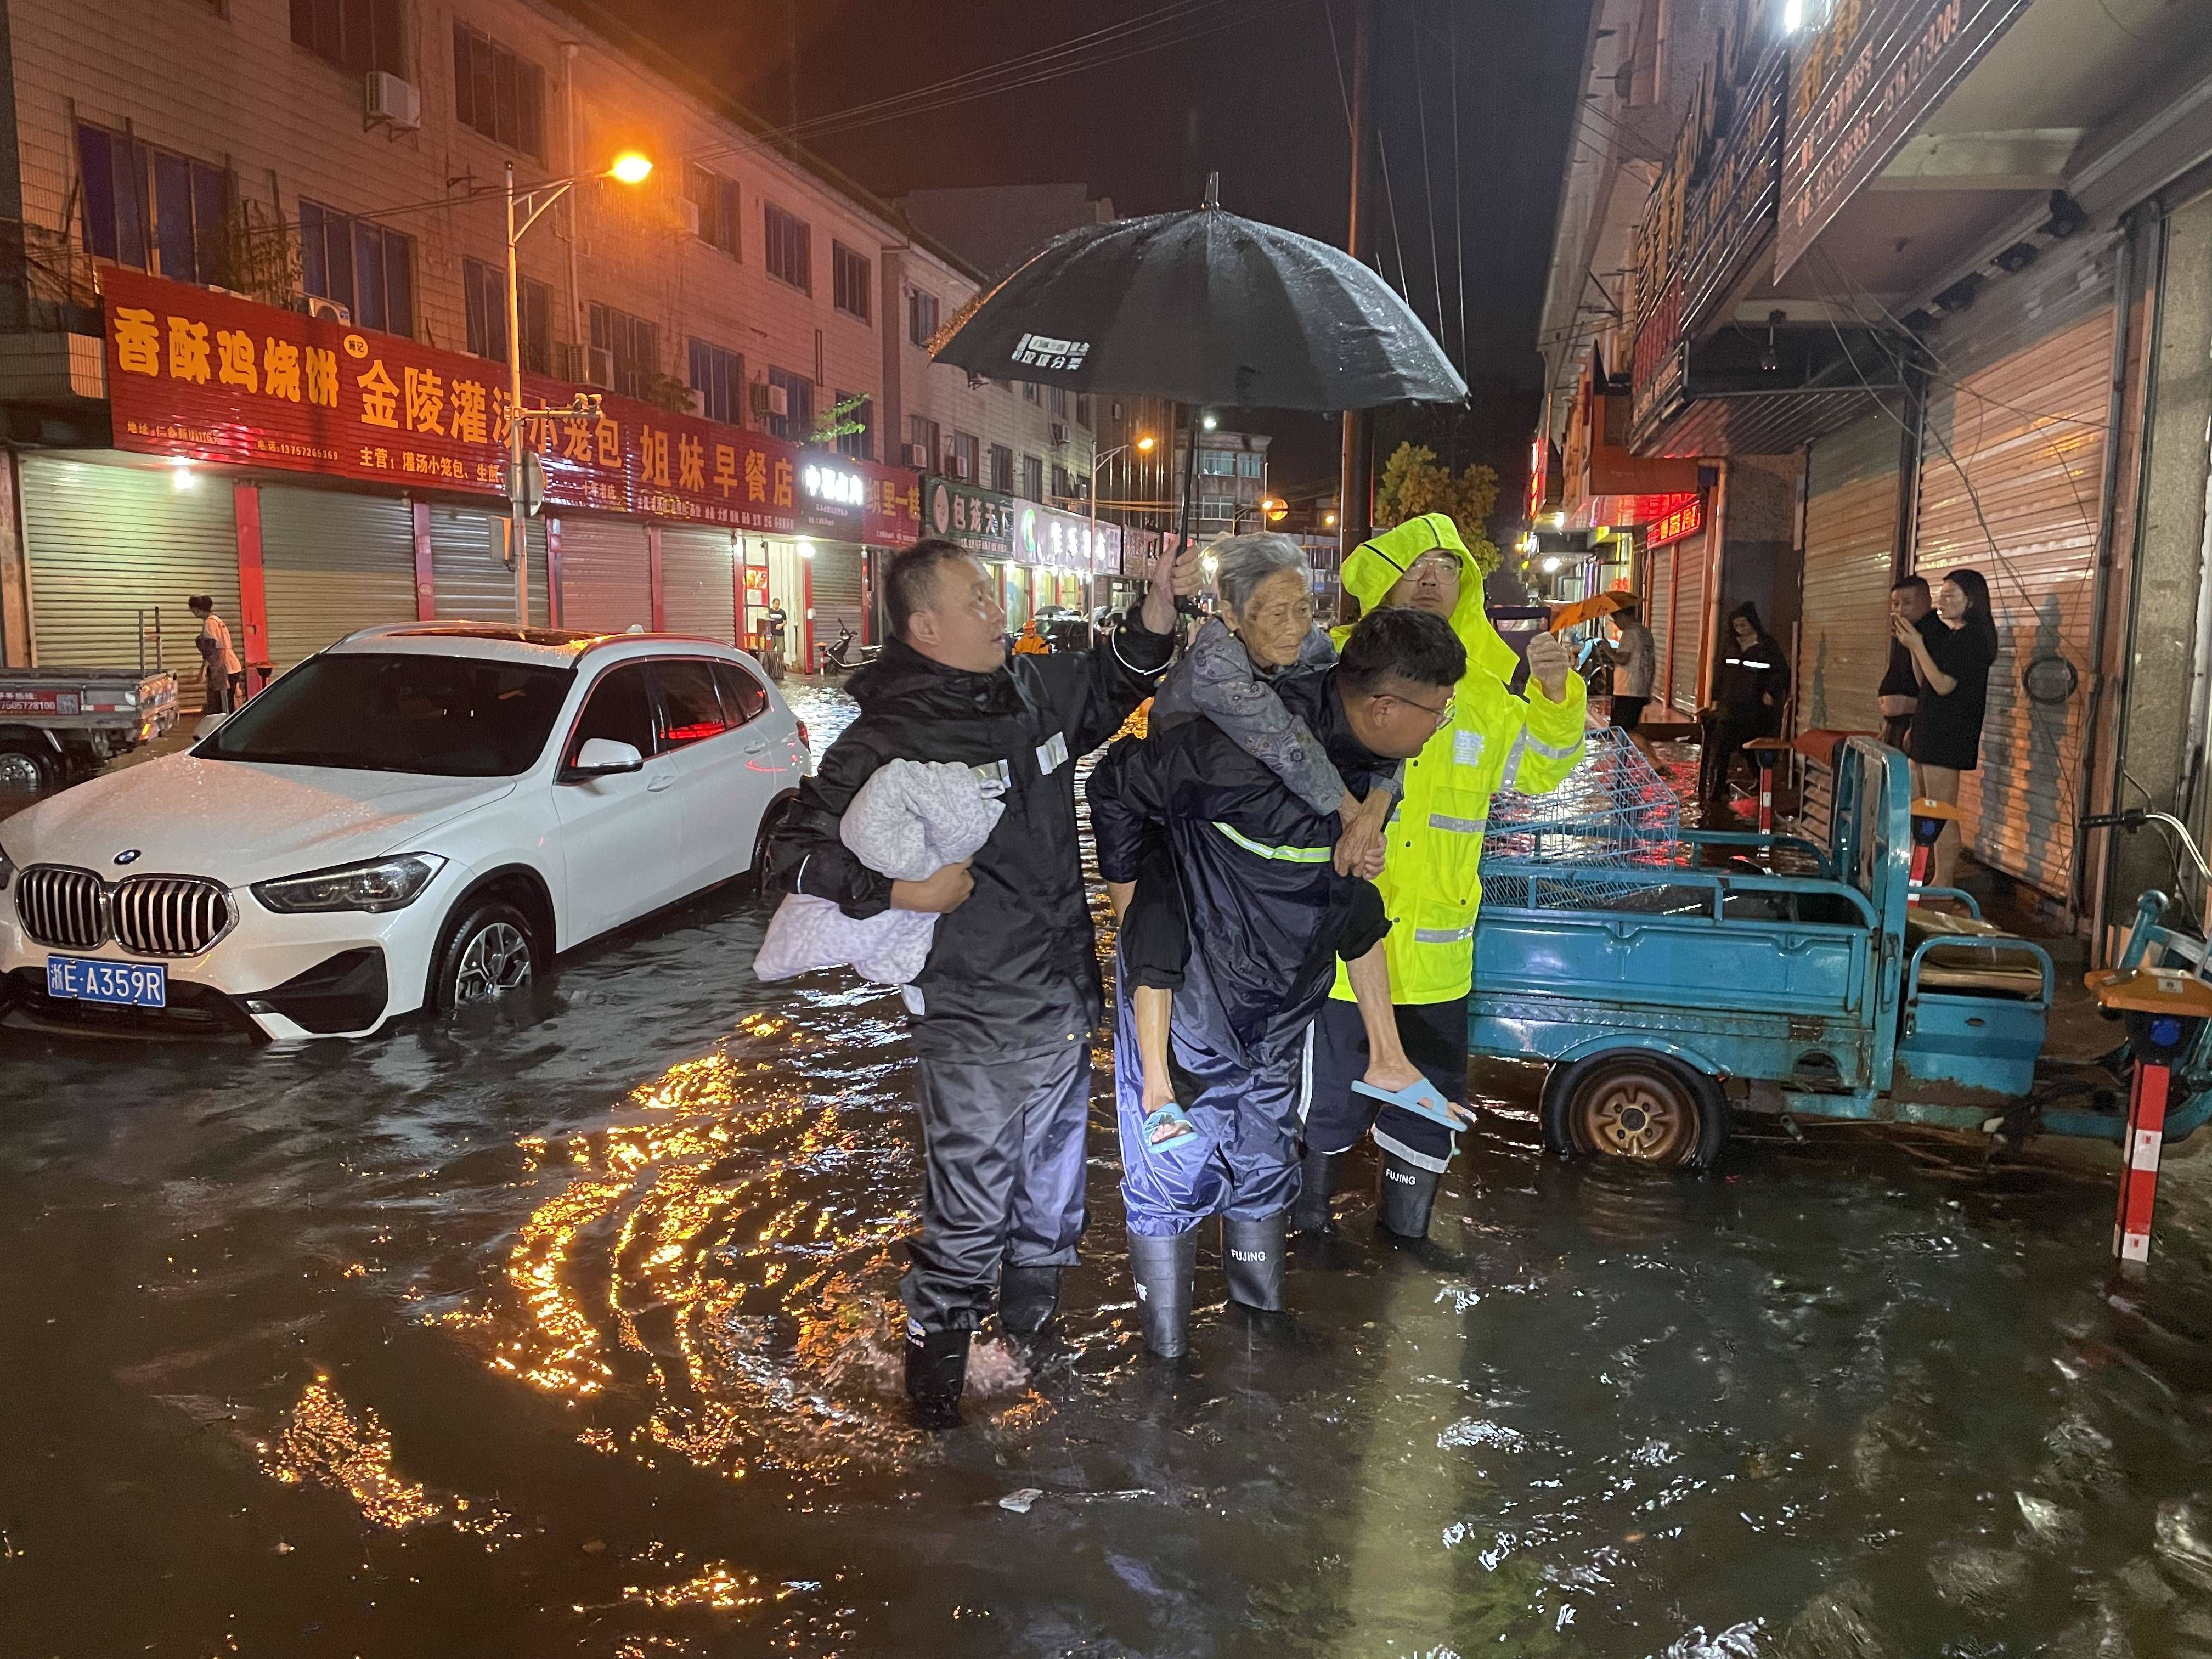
x,y
127,984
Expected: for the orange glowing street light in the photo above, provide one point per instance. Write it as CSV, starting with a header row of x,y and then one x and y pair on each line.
x,y
1273,506
1146,444
630,166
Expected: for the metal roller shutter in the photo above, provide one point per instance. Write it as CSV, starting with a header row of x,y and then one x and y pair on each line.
x,y
1851,550
698,582
1688,634
468,573
2011,484
105,542
836,589
1658,611
332,563
606,575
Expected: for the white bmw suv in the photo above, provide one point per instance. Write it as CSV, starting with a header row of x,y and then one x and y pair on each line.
x,y
419,817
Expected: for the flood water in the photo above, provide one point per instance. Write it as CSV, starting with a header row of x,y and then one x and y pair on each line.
x,y
568,1330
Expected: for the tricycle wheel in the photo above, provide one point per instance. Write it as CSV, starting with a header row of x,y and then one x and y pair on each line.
x,y
1639,1108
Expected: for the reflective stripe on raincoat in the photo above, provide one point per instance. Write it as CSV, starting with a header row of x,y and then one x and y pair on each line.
x,y
1432,879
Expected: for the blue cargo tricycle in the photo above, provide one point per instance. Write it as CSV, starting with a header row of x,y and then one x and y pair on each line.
x,y
1747,973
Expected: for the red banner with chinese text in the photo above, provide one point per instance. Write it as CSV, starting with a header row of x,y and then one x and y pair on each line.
x,y
212,377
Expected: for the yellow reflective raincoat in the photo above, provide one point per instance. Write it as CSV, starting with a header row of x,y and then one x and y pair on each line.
x,y
1432,879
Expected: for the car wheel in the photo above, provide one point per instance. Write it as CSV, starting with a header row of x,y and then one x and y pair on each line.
x,y
487,952
771,821
24,769
1635,1108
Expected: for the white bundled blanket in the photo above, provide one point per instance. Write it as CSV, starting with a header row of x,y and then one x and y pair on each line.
x,y
908,820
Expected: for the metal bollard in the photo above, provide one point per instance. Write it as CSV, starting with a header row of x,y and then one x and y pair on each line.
x,y
2164,1011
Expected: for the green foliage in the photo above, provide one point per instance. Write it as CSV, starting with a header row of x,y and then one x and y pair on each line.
x,y
1413,484
836,421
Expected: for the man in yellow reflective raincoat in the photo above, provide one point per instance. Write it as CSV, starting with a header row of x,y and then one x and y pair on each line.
x,y
1487,740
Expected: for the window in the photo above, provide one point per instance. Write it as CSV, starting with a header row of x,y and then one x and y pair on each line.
x,y
718,375
790,247
500,94
357,35
1082,409
966,454
1032,478
690,707
858,446
716,198
796,423
1062,485
1248,464
621,711
183,235
1216,507
1002,469
365,267
923,434
447,717
848,274
633,346
743,697
921,316
1216,463
1029,391
1059,403
484,289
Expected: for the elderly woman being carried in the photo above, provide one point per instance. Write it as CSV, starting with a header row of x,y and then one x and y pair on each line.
x,y
1265,635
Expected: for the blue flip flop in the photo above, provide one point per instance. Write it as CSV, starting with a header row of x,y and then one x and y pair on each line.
x,y
1422,1098
1174,1113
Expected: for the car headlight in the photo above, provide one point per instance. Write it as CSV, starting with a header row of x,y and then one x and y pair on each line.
x,y
386,885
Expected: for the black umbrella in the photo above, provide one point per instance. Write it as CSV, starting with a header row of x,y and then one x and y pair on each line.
x,y
1203,308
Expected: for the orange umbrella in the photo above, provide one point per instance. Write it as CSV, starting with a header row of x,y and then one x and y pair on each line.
x,y
1564,616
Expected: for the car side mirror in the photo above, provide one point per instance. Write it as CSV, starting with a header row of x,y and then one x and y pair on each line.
x,y
602,757
207,726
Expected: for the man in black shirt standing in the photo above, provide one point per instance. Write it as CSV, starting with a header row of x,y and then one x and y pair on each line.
x,y
1007,1000
1900,691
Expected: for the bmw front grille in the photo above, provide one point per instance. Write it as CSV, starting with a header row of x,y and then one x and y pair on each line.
x,y
149,915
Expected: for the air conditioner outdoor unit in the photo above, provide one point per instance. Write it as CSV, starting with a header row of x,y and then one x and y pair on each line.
x,y
769,398
917,455
960,467
686,214
328,310
1059,433
393,100
599,367
569,360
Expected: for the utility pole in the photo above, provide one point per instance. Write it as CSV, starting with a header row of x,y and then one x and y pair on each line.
x,y
1355,486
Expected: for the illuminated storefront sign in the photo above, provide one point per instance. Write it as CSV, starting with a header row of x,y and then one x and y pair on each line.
x,y
1679,523
212,377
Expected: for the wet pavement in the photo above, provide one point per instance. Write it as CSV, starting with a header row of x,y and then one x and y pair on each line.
x,y
567,1329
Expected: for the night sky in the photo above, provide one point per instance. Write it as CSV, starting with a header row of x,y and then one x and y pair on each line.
x,y
1255,96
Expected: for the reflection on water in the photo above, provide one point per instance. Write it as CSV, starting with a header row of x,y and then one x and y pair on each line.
x,y
573,1329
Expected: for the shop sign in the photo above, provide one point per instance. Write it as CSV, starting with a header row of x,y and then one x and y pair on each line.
x,y
997,527
1734,203
1865,83
756,585
1679,523
211,377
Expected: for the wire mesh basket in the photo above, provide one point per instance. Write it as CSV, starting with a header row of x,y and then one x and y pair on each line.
x,y
1608,836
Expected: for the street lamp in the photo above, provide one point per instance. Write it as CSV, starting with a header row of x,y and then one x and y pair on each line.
x,y
631,168
1143,446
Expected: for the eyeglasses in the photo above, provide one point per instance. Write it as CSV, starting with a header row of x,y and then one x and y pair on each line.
x,y
1440,716
1438,565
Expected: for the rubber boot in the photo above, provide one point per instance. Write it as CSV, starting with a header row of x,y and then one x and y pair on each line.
x,y
936,1372
1409,1192
1252,1260
1163,1268
1028,1300
1316,1182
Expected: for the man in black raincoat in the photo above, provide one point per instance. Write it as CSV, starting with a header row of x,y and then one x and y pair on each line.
x,y
1268,917
1010,994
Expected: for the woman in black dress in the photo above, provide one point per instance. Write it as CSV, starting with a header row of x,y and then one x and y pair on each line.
x,y
1952,663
